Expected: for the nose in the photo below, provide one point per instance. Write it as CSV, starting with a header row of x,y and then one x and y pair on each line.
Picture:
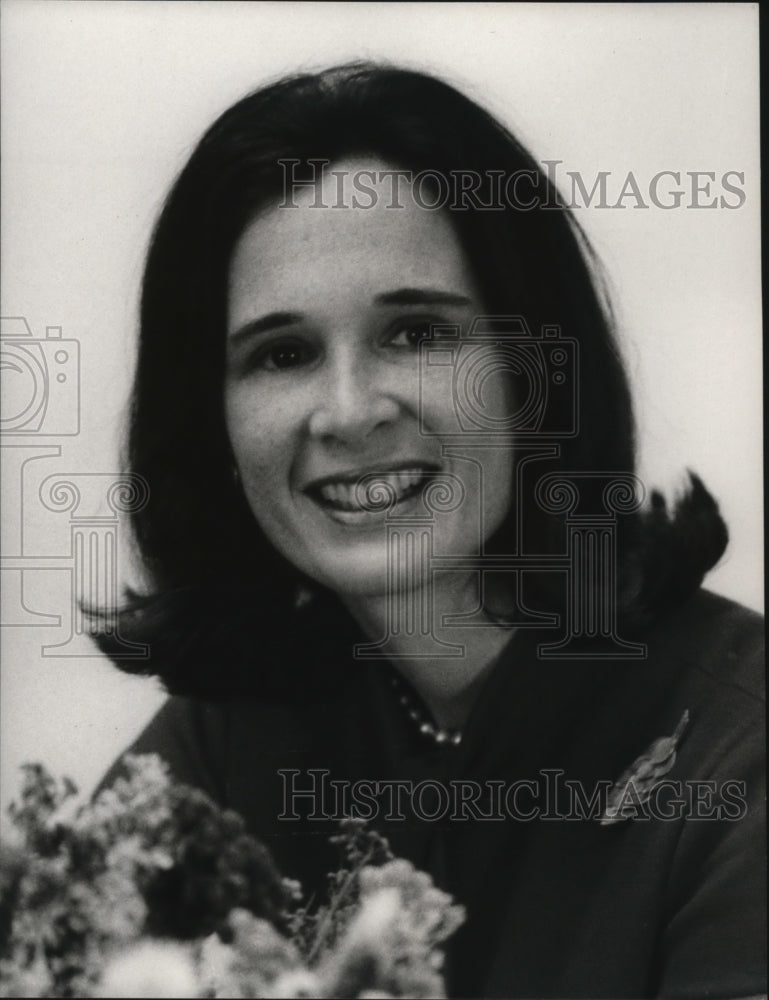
x,y
353,401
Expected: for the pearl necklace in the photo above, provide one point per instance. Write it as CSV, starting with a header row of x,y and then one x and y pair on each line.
x,y
425,726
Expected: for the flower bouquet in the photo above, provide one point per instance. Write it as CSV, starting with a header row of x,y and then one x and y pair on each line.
x,y
152,890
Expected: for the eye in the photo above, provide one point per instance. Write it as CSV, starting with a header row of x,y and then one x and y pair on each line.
x,y
283,355
408,333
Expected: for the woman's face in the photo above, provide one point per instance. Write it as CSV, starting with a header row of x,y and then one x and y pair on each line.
x,y
323,385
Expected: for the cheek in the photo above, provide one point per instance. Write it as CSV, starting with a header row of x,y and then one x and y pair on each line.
x,y
434,402
500,488
473,392
500,392
260,431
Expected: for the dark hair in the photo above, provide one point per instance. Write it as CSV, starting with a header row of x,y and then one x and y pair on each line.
x,y
205,556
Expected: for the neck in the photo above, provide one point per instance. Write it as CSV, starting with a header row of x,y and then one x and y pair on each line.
x,y
446,663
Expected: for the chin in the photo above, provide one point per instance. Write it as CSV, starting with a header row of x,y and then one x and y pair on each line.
x,y
354,574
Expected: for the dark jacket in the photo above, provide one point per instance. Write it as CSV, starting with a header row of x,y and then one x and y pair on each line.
x,y
669,902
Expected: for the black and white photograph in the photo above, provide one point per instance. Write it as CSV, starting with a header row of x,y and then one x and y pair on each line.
x,y
382,500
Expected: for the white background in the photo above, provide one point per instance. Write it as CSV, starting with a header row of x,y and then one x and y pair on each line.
x,y
103,102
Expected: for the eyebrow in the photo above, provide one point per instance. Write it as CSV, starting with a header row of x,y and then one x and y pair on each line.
x,y
398,297
421,296
270,321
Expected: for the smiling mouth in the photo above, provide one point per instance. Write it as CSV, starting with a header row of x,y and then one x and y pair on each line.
x,y
371,492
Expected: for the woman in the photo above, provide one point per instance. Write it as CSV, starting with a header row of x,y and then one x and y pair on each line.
x,y
384,421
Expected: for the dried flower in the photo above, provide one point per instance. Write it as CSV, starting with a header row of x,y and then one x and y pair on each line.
x,y
150,969
151,889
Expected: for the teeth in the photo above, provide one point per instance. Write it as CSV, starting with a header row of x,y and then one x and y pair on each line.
x,y
341,493
345,495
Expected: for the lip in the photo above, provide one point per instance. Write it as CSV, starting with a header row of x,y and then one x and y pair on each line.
x,y
351,476
348,477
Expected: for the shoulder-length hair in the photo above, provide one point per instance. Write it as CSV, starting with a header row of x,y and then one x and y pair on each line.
x,y
214,585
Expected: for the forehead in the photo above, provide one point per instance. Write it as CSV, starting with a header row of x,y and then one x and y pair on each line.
x,y
338,231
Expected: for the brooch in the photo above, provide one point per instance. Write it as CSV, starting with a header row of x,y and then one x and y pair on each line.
x,y
634,786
